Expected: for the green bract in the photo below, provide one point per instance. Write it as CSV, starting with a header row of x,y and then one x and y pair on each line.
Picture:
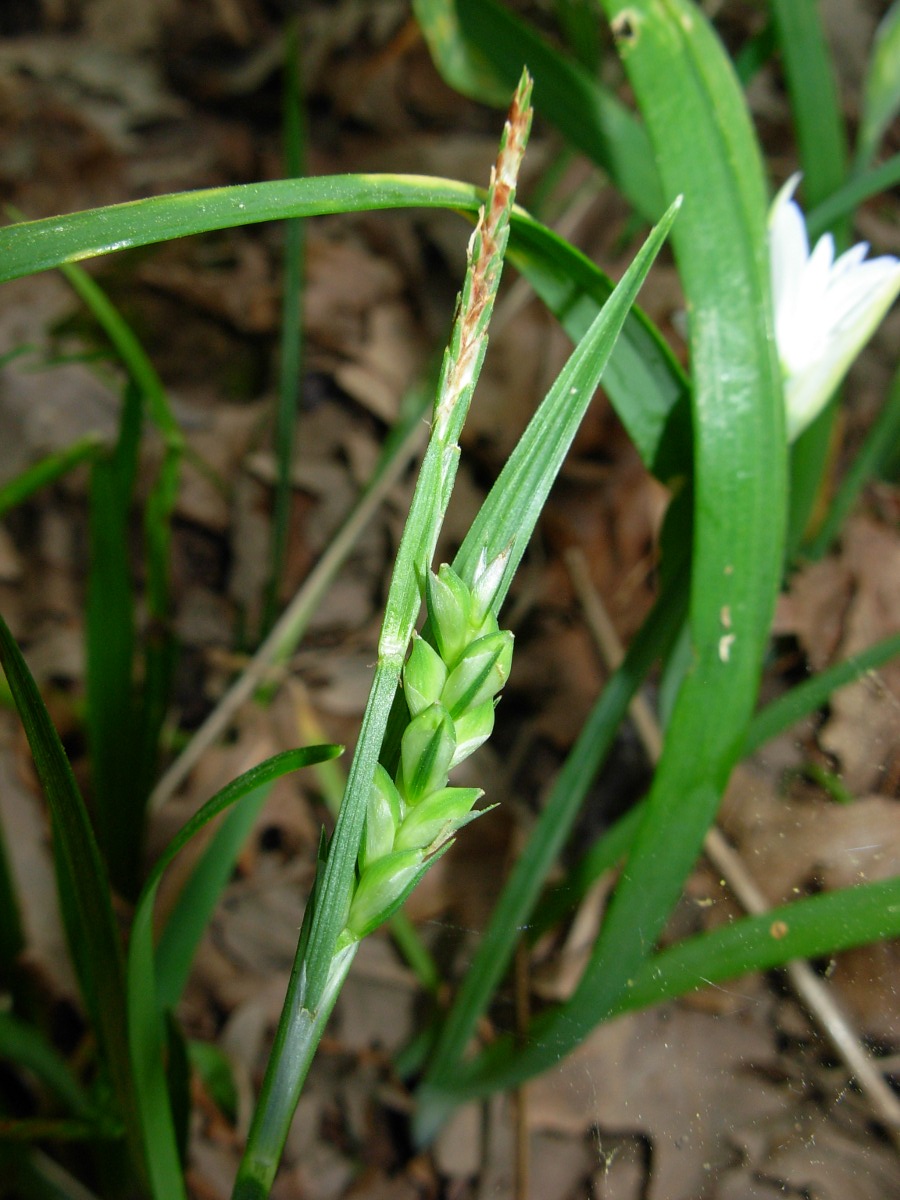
x,y
450,689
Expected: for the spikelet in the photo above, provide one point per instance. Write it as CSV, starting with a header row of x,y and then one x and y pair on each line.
x,y
451,689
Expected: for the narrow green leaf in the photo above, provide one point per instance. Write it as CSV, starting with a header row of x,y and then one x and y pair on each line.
x,y
159,649
110,637
755,53
460,63
590,115
643,380
509,514
47,471
646,375
86,878
872,458
706,149
197,900
290,367
819,122
856,191
31,246
121,336
881,100
808,928
146,1034
806,697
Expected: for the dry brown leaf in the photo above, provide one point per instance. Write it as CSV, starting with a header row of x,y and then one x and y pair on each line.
x,y
680,1079
837,608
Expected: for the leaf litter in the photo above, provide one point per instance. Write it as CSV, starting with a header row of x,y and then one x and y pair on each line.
x,y
727,1095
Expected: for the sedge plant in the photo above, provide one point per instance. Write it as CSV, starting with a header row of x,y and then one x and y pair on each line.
x,y
740,441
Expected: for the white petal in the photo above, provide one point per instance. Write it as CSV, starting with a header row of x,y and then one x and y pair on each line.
x,y
825,310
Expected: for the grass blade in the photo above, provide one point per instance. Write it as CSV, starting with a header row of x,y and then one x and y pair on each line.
x,y
806,697
513,911
47,471
871,459
146,1031
159,649
572,285
881,100
110,637
706,149
84,875
815,926
644,381
511,510
856,191
818,120
460,63
192,911
31,246
593,119
291,350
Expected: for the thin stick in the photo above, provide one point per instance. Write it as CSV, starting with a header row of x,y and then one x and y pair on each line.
x,y
813,991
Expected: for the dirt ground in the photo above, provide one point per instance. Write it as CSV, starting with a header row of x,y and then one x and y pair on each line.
x,y
733,1094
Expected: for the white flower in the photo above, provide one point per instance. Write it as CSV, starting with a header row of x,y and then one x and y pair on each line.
x,y
825,310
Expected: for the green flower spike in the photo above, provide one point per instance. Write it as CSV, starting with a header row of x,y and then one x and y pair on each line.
x,y
450,610
437,818
473,729
381,889
450,689
426,752
424,677
382,818
479,675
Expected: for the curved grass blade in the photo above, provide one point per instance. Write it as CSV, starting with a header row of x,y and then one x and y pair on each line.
x,y
158,644
806,697
706,149
47,471
290,358
590,115
462,66
643,374
191,912
84,887
31,246
856,191
810,928
110,637
146,1033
